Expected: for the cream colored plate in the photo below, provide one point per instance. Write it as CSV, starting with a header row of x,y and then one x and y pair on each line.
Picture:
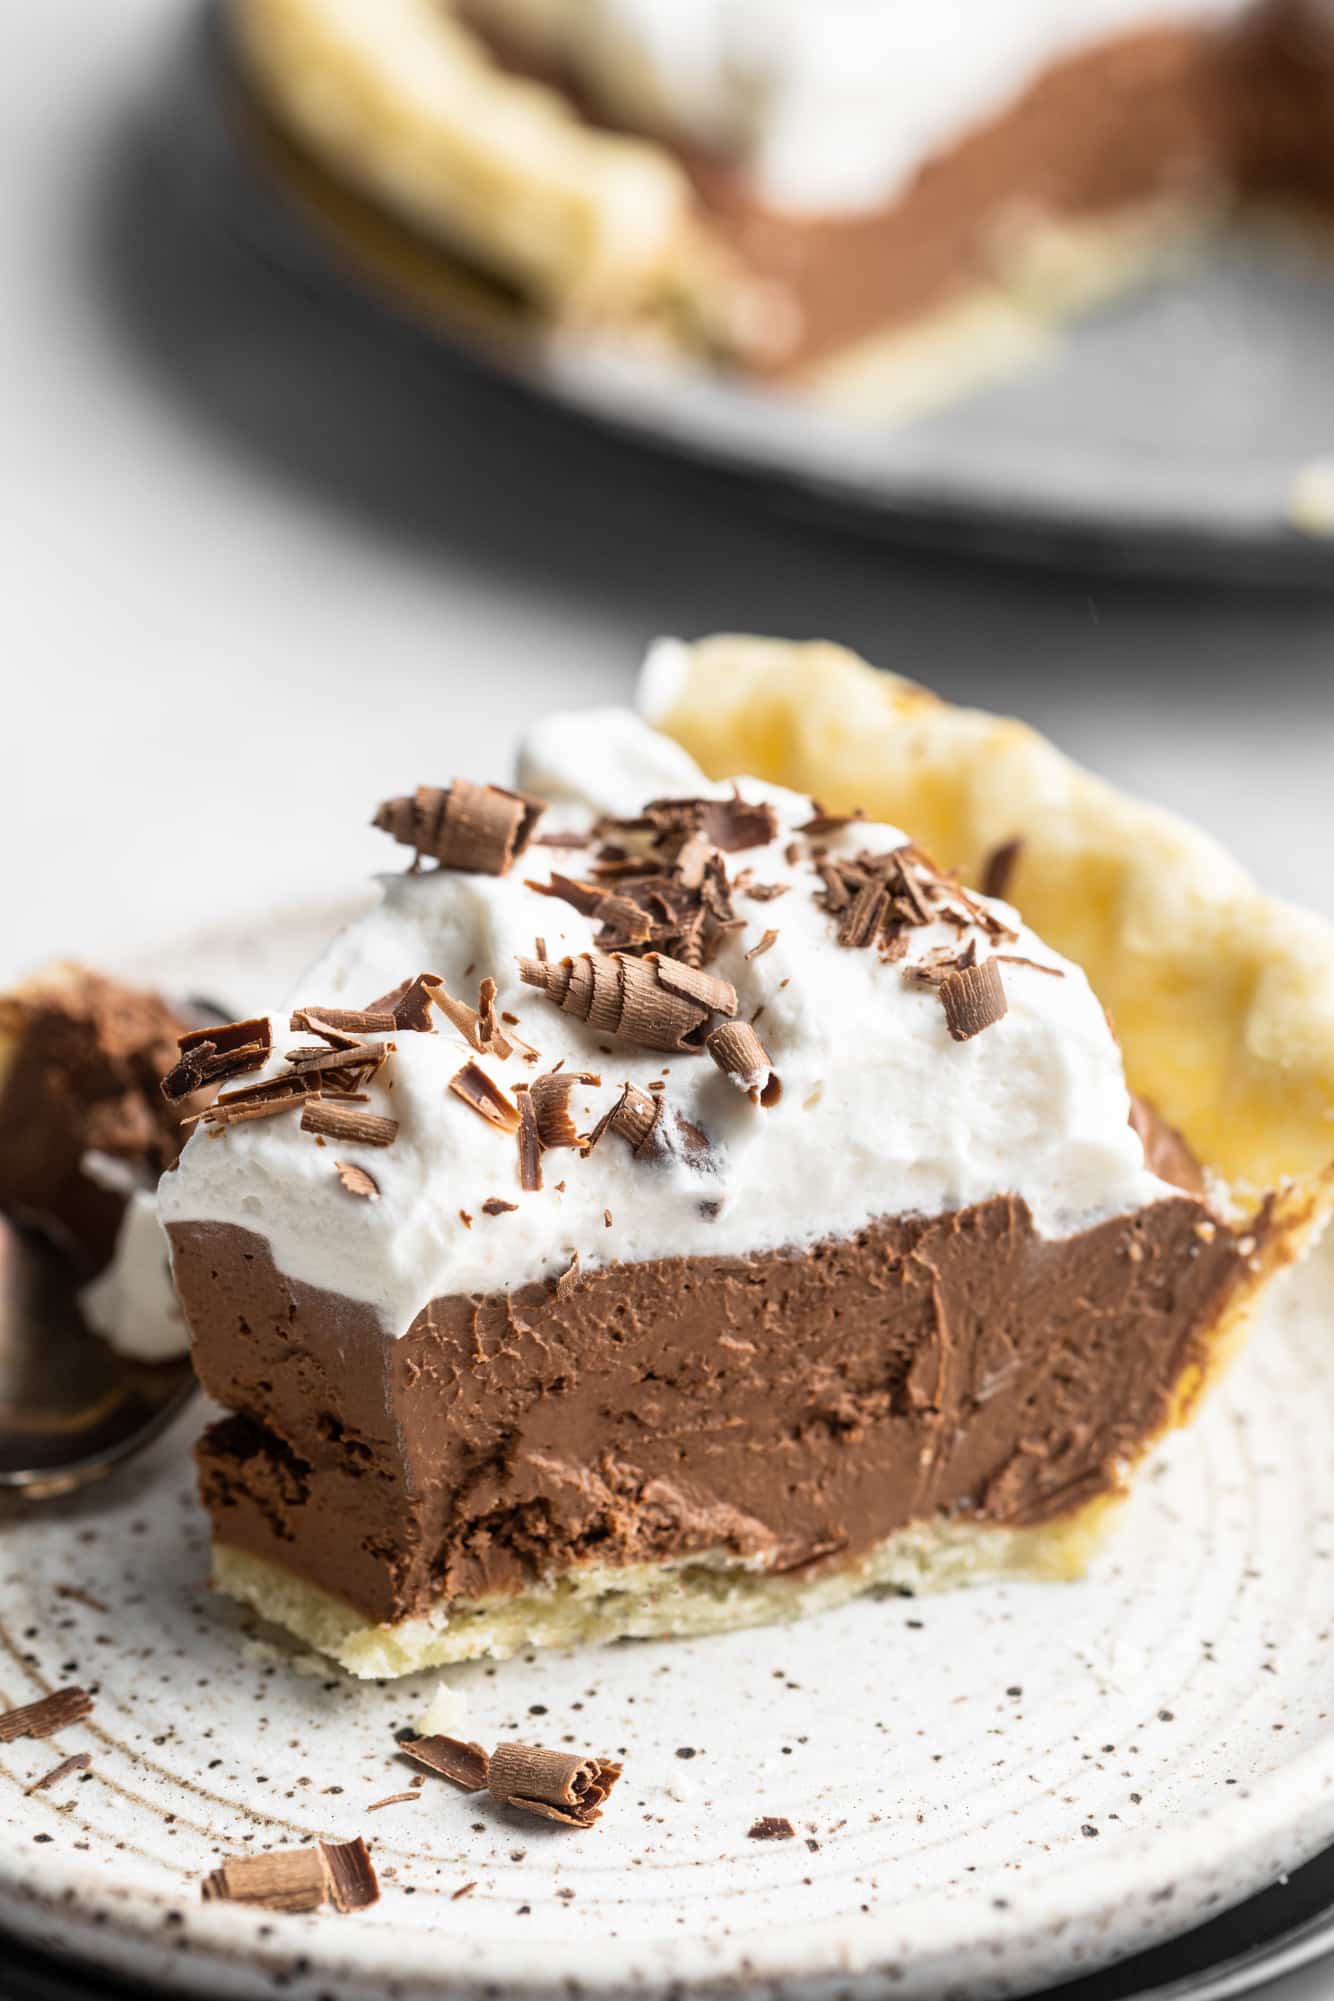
x,y
992,1789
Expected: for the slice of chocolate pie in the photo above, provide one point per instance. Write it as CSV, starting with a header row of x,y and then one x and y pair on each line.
x,y
676,1210
871,201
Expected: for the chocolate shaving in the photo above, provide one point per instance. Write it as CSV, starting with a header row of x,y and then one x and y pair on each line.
x,y
1034,965
736,823
493,1206
343,1025
208,1055
79,1762
824,822
765,892
356,1180
973,998
391,1799
339,1121
409,1003
477,828
558,1785
464,1765
314,1057
634,1117
569,1278
999,867
286,1879
771,1827
350,1875
252,1101
865,915
47,1715
766,944
550,1098
472,1084
530,1145
744,1061
656,1002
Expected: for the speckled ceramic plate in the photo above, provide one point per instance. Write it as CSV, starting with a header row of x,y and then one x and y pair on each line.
x,y
989,1790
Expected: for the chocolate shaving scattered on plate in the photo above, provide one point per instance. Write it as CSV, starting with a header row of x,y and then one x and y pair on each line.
x,y
79,1762
557,1785
47,1715
771,1827
465,1765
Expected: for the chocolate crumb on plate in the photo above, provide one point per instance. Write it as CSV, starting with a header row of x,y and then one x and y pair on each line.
x,y
771,1827
47,1715
79,1762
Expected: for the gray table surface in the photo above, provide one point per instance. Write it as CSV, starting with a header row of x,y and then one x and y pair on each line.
x,y
260,569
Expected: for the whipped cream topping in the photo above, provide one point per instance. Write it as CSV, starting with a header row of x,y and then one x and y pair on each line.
x,y
880,1114
133,1304
827,105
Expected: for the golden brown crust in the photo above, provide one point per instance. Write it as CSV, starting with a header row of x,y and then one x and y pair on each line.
x,y
399,99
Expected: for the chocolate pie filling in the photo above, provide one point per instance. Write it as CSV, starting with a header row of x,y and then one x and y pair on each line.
x,y
791,1407
1174,110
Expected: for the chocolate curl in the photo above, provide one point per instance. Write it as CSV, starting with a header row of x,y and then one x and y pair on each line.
x,y
334,1121
655,1001
744,1061
635,1117
477,828
208,1055
863,919
465,1765
555,1784
973,998
550,1099
287,1879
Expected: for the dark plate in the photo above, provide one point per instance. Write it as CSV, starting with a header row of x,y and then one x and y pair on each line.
x,y
1276,1933
1163,434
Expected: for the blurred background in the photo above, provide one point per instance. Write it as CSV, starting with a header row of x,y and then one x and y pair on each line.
x,y
267,562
